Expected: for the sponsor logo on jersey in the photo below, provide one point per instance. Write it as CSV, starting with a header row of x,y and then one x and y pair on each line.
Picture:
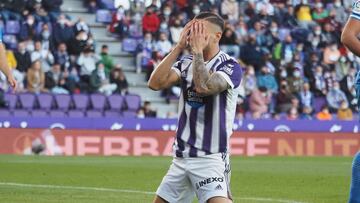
x,y
228,69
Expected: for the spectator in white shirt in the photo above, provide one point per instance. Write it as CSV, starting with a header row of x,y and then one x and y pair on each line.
x,y
43,55
163,46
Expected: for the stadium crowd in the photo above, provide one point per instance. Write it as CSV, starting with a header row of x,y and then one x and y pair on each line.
x,y
294,64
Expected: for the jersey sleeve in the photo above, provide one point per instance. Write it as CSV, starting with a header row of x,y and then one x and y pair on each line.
x,y
355,13
177,67
231,72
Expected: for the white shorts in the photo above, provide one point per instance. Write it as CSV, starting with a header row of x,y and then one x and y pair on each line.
x,y
206,177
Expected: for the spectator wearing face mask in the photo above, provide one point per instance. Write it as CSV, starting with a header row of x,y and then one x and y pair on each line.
x,y
272,35
328,34
144,51
120,22
295,81
150,21
45,37
229,44
230,8
319,83
335,96
331,55
285,50
347,85
266,79
23,58
341,15
28,28
63,30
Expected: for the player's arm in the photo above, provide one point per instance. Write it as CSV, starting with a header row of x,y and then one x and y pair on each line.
x,y
349,36
164,75
206,84
351,31
4,67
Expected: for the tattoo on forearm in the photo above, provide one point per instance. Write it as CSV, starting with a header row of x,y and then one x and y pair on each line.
x,y
205,83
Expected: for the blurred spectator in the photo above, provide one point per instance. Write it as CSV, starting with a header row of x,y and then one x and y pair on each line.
x,y
175,31
295,82
319,14
266,79
53,7
293,114
344,112
229,44
27,29
253,53
99,81
87,62
319,83
35,78
81,25
306,113
54,80
230,8
119,24
163,45
63,30
145,50
10,58
306,96
106,59
284,98
46,38
249,80
331,55
150,21
22,57
146,111
303,14
340,11
44,56
117,77
324,114
62,57
335,96
78,43
347,85
259,101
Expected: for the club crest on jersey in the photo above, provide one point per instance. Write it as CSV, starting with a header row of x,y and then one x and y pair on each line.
x,y
356,6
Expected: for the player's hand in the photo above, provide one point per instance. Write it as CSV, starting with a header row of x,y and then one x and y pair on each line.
x,y
199,37
184,36
12,82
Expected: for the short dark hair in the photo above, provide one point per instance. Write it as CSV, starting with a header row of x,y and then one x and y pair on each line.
x,y
212,18
104,46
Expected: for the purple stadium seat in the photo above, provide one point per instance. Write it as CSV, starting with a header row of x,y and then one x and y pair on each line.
x,y
10,41
129,45
112,114
103,16
27,100
98,101
318,103
133,102
4,113
11,100
129,114
12,27
63,101
94,114
81,101
39,113
57,114
116,102
109,4
76,114
21,113
45,101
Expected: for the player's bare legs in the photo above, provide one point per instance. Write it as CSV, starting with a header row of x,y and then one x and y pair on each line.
x,y
219,200
159,200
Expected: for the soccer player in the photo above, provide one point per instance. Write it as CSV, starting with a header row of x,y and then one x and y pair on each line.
x,y
4,65
209,80
350,39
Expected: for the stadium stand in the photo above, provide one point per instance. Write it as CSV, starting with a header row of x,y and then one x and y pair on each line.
x,y
293,61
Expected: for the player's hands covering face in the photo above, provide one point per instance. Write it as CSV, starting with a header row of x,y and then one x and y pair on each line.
x,y
199,37
184,36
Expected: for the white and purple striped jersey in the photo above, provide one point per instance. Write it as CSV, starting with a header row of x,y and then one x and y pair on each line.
x,y
355,13
205,123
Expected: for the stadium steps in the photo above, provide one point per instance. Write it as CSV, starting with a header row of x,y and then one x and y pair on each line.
x,y
137,82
